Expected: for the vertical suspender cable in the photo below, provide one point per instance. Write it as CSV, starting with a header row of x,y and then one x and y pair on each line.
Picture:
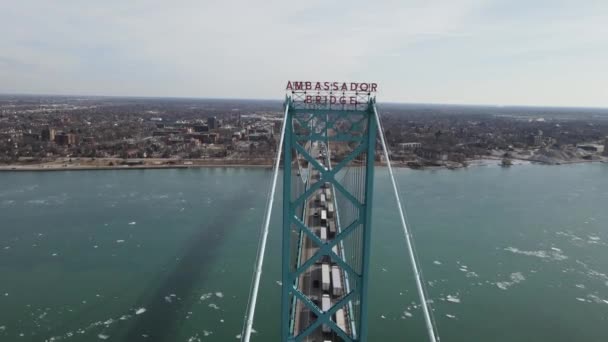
x,y
419,285
246,335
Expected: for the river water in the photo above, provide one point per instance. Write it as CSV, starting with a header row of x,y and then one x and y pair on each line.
x,y
518,254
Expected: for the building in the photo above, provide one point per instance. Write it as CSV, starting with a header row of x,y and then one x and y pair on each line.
x,y
30,138
212,122
88,140
205,138
588,148
201,128
606,146
48,134
535,139
65,139
410,146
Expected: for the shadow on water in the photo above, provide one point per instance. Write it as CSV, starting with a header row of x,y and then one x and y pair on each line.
x,y
159,322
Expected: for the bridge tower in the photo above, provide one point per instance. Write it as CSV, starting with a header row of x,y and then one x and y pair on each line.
x,y
329,152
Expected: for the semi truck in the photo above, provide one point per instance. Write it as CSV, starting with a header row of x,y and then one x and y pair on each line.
x,y
325,306
325,277
336,281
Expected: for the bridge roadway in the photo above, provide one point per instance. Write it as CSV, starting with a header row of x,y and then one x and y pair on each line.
x,y
311,282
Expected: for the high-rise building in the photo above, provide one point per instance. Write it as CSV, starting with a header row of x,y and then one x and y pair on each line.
x,y
212,122
48,134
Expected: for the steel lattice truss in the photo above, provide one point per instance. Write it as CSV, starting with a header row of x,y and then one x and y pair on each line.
x,y
354,129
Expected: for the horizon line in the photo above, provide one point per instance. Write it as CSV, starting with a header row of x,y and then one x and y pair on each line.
x,y
277,100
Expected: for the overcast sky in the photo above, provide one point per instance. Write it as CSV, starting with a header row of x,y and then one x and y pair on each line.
x,y
504,52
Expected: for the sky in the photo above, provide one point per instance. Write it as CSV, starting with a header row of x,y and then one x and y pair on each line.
x,y
498,52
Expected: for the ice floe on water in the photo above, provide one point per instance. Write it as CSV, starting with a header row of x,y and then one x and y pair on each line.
x,y
120,241
591,273
516,278
132,223
468,272
453,299
407,314
95,325
37,202
280,283
580,286
206,296
437,262
570,235
551,255
214,306
195,338
450,316
7,203
219,295
140,311
2,327
595,299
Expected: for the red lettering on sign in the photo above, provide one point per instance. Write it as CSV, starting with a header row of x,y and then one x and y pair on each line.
x,y
343,99
322,87
353,100
308,99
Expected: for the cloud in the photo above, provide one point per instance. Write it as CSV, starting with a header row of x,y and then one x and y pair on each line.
x,y
422,51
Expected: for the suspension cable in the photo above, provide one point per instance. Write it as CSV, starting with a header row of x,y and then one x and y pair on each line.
x,y
246,334
431,328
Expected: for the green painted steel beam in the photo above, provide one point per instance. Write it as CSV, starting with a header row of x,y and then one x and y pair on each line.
x,y
314,126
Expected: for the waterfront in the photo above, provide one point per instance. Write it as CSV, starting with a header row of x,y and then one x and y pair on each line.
x,y
517,254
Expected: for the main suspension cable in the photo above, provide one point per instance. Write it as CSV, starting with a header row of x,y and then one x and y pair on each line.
x,y
248,326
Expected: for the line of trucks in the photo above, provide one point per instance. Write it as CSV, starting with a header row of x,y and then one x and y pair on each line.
x,y
331,275
331,279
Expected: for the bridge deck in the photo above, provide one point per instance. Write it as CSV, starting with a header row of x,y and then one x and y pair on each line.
x,y
313,282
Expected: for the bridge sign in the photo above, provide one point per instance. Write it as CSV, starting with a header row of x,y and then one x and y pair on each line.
x,y
331,95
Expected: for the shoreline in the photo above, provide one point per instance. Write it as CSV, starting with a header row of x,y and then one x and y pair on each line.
x,y
68,167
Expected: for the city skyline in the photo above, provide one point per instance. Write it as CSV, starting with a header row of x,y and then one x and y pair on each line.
x,y
550,53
